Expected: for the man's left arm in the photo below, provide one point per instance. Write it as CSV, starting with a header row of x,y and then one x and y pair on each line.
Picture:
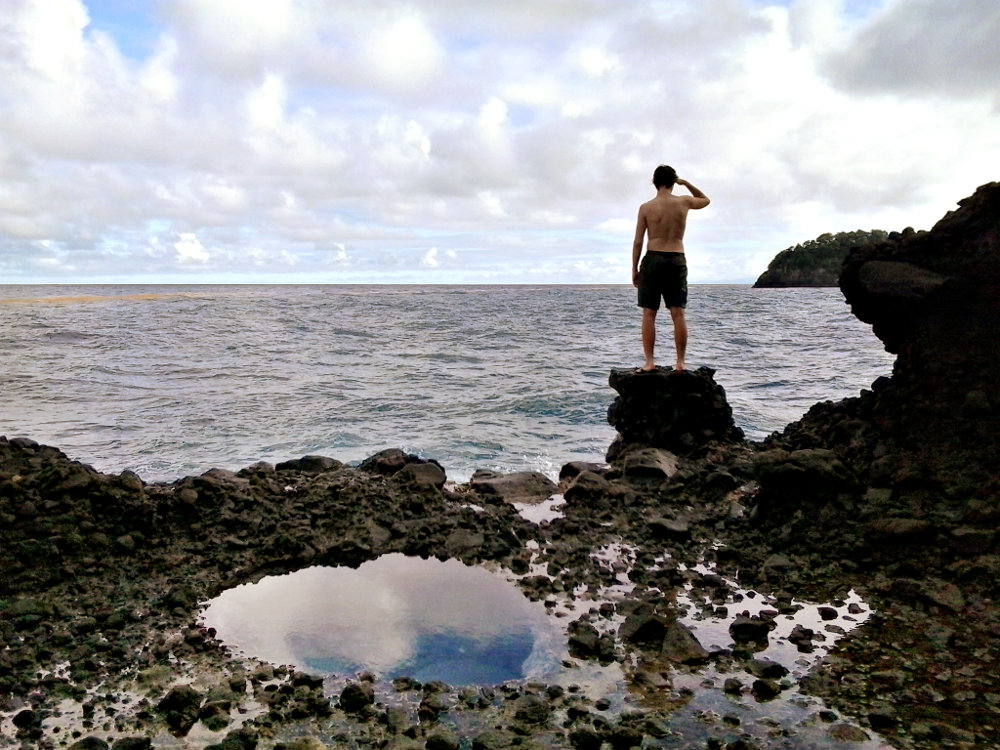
x,y
640,233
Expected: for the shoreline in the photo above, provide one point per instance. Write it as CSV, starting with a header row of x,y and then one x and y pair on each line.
x,y
141,590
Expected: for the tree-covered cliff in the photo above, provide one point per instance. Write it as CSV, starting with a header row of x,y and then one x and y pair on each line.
x,y
815,262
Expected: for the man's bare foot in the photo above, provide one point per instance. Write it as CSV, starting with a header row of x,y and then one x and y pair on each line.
x,y
648,367
679,366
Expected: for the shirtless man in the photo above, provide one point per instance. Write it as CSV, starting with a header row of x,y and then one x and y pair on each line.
x,y
663,273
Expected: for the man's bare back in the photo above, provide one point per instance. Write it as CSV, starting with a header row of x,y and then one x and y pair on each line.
x,y
663,220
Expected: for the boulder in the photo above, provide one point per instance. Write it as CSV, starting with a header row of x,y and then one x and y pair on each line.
x,y
587,484
681,646
132,743
307,464
442,738
356,696
584,640
180,707
427,474
670,528
745,629
387,462
900,531
643,627
676,410
765,690
532,709
767,669
656,463
89,743
215,714
575,468
495,739
519,487
807,478
847,733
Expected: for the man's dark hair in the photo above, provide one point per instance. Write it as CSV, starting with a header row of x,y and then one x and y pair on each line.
x,y
664,176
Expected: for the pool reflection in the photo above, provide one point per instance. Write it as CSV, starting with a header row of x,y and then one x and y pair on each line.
x,y
395,616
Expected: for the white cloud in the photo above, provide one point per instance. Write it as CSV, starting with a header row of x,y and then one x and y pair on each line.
x,y
190,250
492,204
50,34
274,131
430,258
595,61
236,37
402,50
157,75
266,104
493,116
619,226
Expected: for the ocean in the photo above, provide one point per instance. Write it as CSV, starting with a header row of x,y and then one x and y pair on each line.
x,y
168,381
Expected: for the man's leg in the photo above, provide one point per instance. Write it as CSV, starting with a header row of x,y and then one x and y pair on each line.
x,y
680,334
648,336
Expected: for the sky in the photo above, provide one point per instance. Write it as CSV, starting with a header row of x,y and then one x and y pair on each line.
x,y
460,141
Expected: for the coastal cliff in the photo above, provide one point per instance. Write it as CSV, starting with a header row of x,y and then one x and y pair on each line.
x,y
932,298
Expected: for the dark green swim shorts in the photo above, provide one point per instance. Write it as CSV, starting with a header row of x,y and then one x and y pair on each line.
x,y
663,276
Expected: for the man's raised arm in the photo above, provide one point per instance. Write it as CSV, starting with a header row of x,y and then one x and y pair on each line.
x,y
699,199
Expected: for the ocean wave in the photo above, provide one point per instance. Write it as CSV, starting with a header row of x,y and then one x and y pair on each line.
x,y
509,378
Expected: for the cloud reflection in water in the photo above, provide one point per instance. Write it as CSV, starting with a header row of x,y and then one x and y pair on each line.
x,y
396,616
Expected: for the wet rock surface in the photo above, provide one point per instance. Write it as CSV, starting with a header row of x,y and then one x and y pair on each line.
x,y
893,494
102,637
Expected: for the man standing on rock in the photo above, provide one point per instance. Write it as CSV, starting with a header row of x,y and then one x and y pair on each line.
x,y
663,273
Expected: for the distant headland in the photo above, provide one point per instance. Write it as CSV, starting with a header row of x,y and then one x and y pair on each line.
x,y
815,262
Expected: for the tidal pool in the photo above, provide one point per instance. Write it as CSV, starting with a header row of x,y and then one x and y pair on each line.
x,y
396,616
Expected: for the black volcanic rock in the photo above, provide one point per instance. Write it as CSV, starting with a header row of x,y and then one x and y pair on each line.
x,y
934,299
815,473
912,283
923,445
679,411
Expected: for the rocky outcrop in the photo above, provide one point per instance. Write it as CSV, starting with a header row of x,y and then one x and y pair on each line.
x,y
680,411
926,439
911,499
912,463
103,576
934,299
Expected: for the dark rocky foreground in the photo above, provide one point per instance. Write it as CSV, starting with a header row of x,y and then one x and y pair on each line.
x,y
894,494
